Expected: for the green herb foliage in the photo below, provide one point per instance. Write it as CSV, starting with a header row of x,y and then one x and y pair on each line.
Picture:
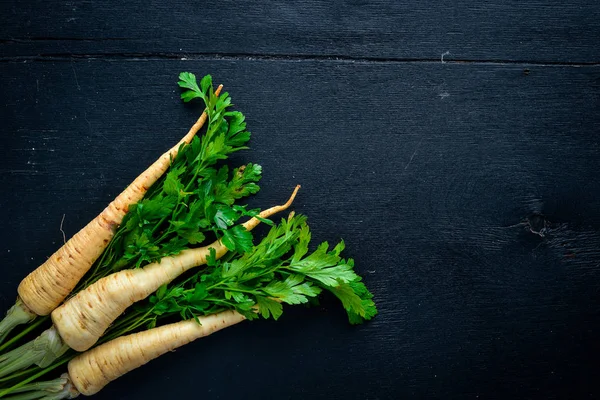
x,y
195,198
279,270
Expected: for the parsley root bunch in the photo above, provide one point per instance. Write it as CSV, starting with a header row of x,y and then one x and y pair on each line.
x,y
149,260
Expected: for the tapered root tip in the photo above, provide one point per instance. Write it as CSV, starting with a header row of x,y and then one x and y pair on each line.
x,y
292,197
218,91
253,222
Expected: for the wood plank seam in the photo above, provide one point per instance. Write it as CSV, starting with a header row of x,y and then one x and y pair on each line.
x,y
281,57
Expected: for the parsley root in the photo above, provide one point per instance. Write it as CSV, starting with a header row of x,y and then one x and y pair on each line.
x,y
46,287
84,318
94,369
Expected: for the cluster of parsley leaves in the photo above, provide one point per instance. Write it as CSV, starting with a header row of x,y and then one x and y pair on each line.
x,y
278,270
195,199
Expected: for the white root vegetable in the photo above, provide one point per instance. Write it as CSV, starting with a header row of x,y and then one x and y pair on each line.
x,y
94,369
84,318
46,287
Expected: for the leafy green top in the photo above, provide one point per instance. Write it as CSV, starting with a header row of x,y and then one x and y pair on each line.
x,y
195,197
276,271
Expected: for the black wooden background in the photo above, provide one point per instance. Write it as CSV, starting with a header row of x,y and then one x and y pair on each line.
x,y
452,144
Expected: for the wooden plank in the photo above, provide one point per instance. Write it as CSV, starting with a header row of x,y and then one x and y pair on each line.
x,y
536,31
468,195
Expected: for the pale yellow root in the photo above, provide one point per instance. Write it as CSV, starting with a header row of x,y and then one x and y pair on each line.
x,y
46,287
94,369
84,318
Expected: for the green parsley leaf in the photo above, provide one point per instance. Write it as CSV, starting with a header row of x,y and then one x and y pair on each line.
x,y
237,239
188,96
325,266
225,217
269,308
187,80
292,291
206,83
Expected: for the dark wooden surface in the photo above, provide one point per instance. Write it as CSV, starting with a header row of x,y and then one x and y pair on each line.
x,y
502,30
467,190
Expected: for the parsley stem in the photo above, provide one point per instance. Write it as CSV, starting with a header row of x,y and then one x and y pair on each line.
x,y
30,327
37,375
230,289
17,374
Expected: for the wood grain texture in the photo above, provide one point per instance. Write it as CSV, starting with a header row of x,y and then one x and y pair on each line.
x,y
468,195
506,30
